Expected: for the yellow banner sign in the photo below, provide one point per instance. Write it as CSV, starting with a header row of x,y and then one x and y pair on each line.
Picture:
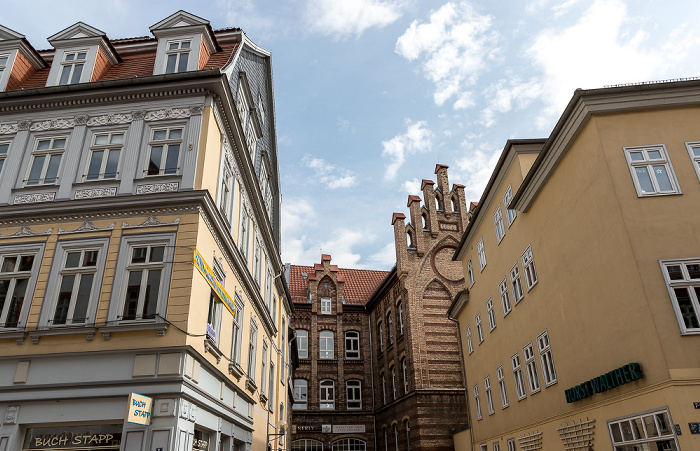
x,y
208,274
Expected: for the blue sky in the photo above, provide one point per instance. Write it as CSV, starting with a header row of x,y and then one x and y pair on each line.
x,y
371,94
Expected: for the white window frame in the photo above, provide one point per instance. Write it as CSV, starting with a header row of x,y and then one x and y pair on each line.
x,y
490,314
498,223
390,327
511,444
257,267
325,345
107,150
533,377
237,332
226,194
502,390
489,395
510,214
393,380
327,394
178,54
505,297
404,368
484,446
470,345
518,379
647,163
47,154
72,65
529,268
384,388
352,345
353,389
477,402
166,144
380,333
326,306
687,312
302,343
244,234
549,374
695,158
4,59
271,385
252,350
263,372
301,394
214,318
470,272
481,254
10,251
662,429
516,283
399,309
4,148
479,330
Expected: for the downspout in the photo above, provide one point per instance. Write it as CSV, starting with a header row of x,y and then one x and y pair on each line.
x,y
371,366
464,377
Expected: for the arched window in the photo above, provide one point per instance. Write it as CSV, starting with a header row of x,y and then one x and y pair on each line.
x,y
306,444
354,394
411,243
301,394
438,202
281,411
455,204
349,444
352,345
408,435
396,436
326,344
327,394
426,225
404,367
303,343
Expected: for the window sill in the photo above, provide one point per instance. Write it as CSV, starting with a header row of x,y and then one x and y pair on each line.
x,y
250,385
263,398
14,333
89,332
335,361
210,346
235,369
353,361
129,326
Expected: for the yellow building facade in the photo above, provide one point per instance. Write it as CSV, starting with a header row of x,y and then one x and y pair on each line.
x,y
142,299
580,324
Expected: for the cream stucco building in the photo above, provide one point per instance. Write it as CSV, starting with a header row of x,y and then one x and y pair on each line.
x,y
580,324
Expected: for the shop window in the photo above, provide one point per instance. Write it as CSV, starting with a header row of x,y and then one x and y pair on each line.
x,y
307,445
301,391
683,282
653,430
651,171
349,444
46,161
352,345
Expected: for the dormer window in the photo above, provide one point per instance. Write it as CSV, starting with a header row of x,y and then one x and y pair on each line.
x,y
3,63
72,67
178,54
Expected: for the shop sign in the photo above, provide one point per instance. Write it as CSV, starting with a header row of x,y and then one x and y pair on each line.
x,y
308,428
696,405
139,409
694,428
620,376
326,428
100,436
208,274
201,441
348,428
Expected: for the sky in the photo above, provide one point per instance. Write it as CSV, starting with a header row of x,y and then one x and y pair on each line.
x,y
371,94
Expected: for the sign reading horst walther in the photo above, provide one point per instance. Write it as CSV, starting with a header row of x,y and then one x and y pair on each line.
x,y
615,378
139,409
208,274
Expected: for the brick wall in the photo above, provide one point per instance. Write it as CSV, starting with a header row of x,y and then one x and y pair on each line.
x,y
21,70
101,65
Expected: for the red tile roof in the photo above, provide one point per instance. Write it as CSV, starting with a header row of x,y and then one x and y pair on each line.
x,y
360,284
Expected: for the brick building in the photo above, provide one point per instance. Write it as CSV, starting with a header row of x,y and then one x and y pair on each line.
x,y
408,366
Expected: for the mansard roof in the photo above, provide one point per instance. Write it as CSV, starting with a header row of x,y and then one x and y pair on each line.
x,y
359,283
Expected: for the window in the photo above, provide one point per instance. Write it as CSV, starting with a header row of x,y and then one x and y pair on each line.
x,y
300,394
470,271
652,430
164,155
326,344
257,266
390,327
500,376
144,282
651,171
352,345
496,446
481,253
271,385
531,368
4,147
77,277
17,273
242,104
283,357
510,214
408,434
498,223
404,367
326,286
176,56
491,314
683,282
470,345
325,306
518,376
399,308
511,445
261,110
307,445
214,318
396,436
354,394
251,139
244,237
548,373
263,373
252,349
303,343
226,194
72,67
380,335
505,299
46,161
103,162
477,402
693,150
479,330
236,335
3,63
349,444
393,381
489,395
327,394
383,388
270,299
516,283
529,268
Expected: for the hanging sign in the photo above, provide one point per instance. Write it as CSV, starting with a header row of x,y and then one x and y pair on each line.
x,y
139,411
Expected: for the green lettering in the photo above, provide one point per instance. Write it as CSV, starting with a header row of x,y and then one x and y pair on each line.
x,y
610,379
567,393
626,374
635,371
618,377
586,392
595,383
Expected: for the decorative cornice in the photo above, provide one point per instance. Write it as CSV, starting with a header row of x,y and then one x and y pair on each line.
x,y
34,198
24,125
95,192
110,119
168,113
152,221
26,231
138,115
52,124
8,128
81,120
158,188
86,227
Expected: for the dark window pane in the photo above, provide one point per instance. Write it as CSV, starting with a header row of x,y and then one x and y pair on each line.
x,y
4,287
159,135
83,298
9,264
95,164
1,163
3,149
139,255
182,64
65,73
685,305
157,254
63,303
132,295
170,67
154,163
112,164
693,270
644,180
90,259
152,290
172,159
58,144
73,259
76,73
16,303
52,171
26,262
35,173
674,272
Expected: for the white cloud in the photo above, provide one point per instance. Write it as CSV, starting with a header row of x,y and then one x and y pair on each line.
x,y
475,168
563,8
507,94
384,258
329,175
411,186
418,138
453,48
344,18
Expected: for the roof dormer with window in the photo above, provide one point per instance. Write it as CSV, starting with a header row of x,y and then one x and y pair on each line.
x,y
18,59
83,54
247,114
185,43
